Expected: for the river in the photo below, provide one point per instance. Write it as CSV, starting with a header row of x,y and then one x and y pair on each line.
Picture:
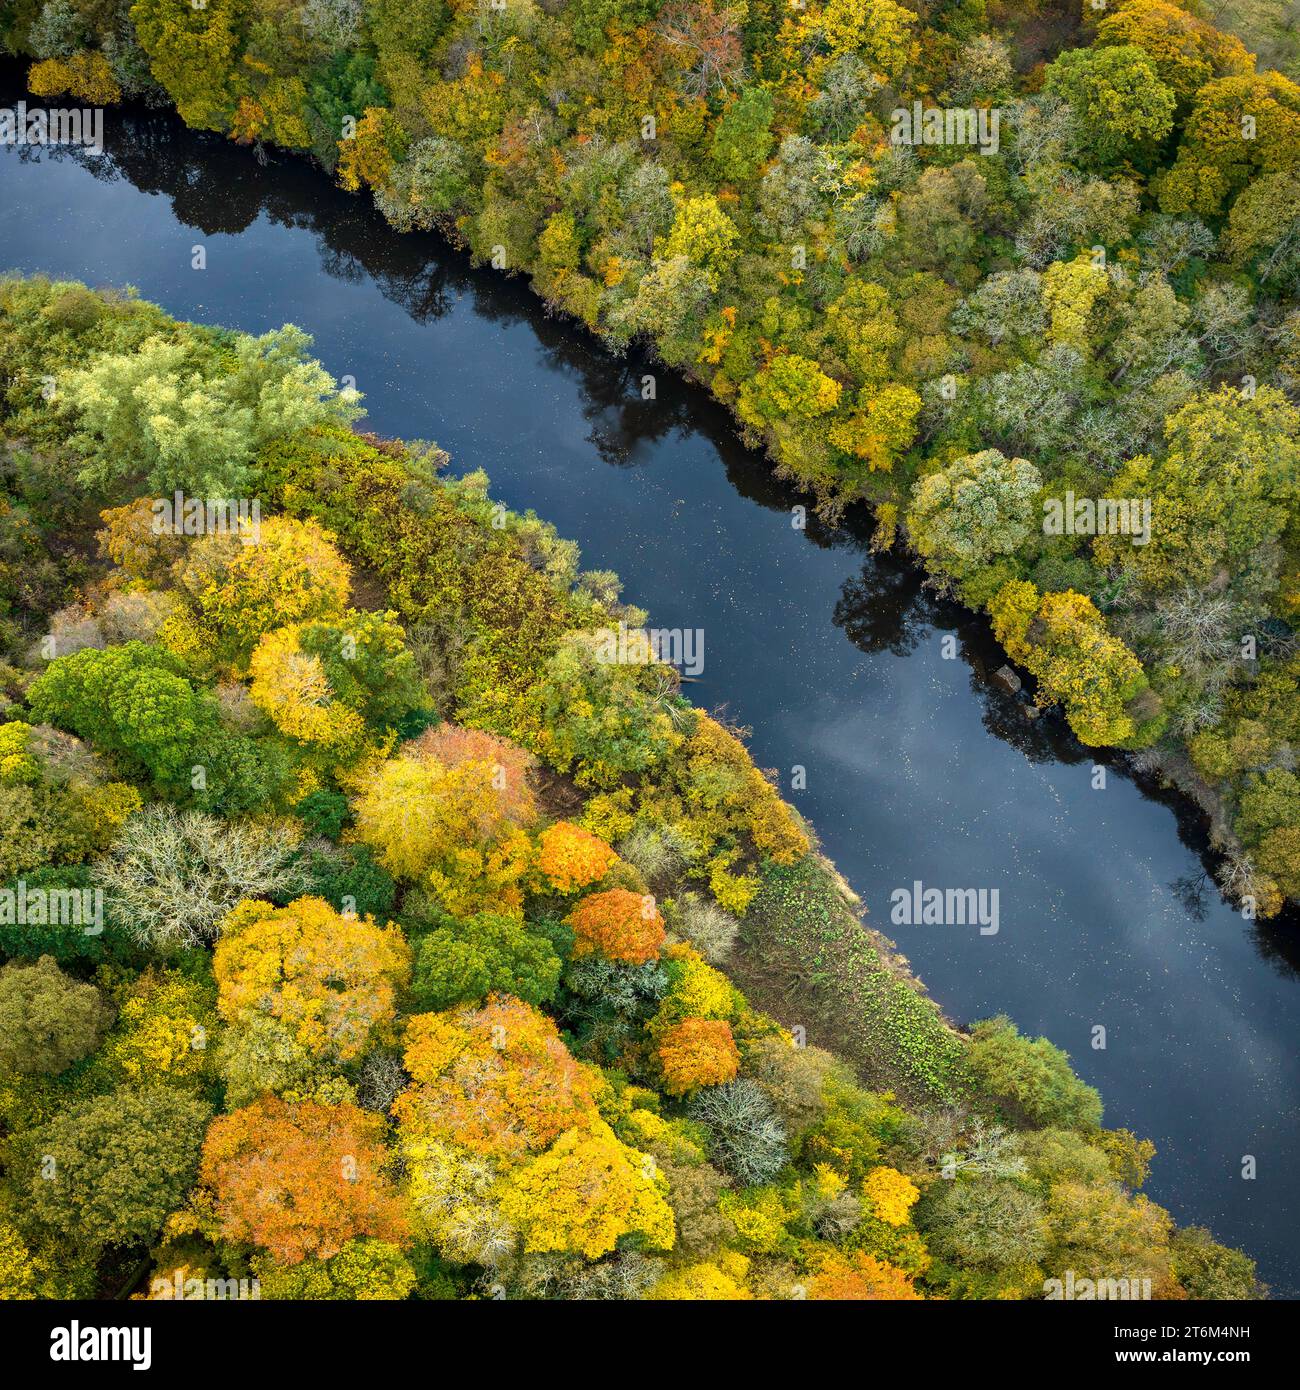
x,y
918,767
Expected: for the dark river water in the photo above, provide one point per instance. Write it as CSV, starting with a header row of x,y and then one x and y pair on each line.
x,y
917,766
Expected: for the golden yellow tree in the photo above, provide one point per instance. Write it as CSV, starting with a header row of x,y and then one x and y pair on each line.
x,y
587,1192
332,981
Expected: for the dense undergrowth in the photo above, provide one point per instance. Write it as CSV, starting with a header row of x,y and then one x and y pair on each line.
x,y
404,965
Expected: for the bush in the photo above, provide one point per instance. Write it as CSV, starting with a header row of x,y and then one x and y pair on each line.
x,y
707,927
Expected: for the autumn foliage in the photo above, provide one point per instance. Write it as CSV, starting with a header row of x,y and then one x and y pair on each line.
x,y
300,1180
890,1195
619,925
497,1080
697,1052
330,980
449,812
857,1276
569,857
584,1193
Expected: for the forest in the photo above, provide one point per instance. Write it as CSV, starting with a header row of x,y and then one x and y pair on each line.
x,y
366,934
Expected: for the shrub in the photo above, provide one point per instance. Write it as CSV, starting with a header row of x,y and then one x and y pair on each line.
x,y
709,929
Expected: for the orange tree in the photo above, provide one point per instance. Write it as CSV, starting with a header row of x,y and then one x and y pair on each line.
x,y
618,924
299,1180
569,857
697,1052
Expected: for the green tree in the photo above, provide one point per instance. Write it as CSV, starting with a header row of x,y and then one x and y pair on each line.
x,y
979,507
1240,127
1121,107
464,962
1208,1270
365,1269
169,417
129,701
110,1171
790,388
605,718
193,51
1220,491
48,1020
742,138
984,1224
427,186
1029,1079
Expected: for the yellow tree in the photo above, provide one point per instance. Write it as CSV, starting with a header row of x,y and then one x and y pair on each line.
x,y
450,812
332,981
294,573
879,30
291,686
704,234
497,1081
1062,639
587,1192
